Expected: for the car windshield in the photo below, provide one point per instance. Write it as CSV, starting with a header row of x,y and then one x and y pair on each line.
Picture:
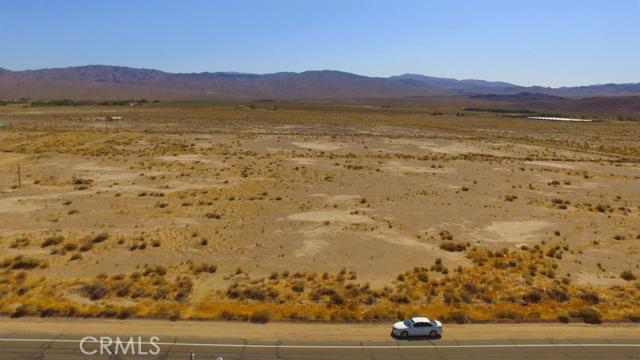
x,y
409,322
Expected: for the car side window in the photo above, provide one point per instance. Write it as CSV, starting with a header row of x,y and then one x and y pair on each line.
x,y
421,324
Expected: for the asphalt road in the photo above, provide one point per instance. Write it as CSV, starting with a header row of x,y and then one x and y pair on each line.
x,y
61,348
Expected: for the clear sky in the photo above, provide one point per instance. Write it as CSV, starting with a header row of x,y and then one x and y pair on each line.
x,y
543,42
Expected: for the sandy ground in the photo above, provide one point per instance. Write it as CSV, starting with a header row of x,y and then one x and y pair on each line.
x,y
340,201
256,196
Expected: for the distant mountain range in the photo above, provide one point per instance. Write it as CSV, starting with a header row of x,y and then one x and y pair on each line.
x,y
114,82
522,96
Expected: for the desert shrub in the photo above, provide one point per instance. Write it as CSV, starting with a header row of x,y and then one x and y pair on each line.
x,y
533,315
86,246
24,310
453,247
22,263
205,268
22,290
126,313
628,275
532,296
509,315
260,317
155,270
471,288
590,297
182,294
184,286
161,293
138,292
81,184
588,315
423,276
298,286
52,240
123,290
226,315
75,257
254,294
466,297
635,317
48,312
95,291
552,251
70,246
558,294
458,317
337,299
319,293
100,238
399,299
81,181
20,243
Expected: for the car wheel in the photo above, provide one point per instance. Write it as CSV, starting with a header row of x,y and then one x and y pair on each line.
x,y
404,334
433,333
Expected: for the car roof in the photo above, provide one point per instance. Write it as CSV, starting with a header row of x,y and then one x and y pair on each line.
x,y
420,319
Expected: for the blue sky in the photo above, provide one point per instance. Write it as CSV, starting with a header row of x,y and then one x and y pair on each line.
x,y
544,42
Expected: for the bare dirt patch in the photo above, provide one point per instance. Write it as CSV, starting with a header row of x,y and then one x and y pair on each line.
x,y
320,146
513,231
344,216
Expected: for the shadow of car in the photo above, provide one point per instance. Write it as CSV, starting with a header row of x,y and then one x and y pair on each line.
x,y
418,338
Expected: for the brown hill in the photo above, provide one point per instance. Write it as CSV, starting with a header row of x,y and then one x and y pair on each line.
x,y
112,82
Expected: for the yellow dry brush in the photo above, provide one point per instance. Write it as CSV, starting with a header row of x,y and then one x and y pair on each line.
x,y
505,285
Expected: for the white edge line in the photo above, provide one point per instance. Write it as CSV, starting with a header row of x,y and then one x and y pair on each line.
x,y
550,345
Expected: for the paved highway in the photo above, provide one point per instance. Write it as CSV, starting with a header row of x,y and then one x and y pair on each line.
x,y
61,348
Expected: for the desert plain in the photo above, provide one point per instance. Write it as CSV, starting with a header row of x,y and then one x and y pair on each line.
x,y
316,212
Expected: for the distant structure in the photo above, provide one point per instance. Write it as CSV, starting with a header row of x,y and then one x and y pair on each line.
x,y
551,118
110,119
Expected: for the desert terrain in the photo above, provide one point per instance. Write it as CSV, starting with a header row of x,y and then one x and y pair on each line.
x,y
316,211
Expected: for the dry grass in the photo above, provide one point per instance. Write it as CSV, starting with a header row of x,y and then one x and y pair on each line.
x,y
508,285
182,187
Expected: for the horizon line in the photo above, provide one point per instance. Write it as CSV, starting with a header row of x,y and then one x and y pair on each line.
x,y
232,72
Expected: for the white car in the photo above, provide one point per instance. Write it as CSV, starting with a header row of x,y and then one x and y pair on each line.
x,y
417,326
